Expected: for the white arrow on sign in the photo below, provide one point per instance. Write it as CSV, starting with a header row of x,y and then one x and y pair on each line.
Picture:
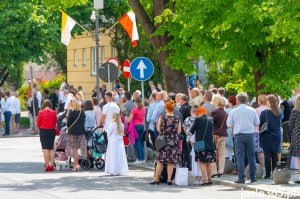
x,y
141,67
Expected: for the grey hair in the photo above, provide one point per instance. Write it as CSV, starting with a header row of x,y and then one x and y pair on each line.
x,y
242,98
184,97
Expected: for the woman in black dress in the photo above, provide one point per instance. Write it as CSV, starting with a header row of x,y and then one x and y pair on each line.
x,y
169,126
203,127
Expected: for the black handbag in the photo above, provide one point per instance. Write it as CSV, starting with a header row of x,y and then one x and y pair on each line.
x,y
265,126
160,142
199,146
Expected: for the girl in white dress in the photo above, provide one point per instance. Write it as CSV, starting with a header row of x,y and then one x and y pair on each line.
x,y
116,161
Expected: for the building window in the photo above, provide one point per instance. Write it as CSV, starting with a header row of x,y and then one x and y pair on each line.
x,y
75,57
113,52
94,71
103,54
84,56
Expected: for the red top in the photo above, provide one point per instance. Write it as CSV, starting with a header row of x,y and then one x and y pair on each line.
x,y
138,116
47,119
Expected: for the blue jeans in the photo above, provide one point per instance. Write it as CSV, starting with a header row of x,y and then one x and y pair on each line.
x,y
244,143
139,142
7,116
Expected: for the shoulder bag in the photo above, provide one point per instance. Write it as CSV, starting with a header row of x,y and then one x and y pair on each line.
x,y
199,146
67,131
265,126
160,142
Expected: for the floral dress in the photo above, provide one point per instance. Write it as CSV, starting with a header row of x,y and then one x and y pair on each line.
x,y
171,153
295,133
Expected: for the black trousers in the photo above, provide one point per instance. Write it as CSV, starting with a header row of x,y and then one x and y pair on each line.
x,y
271,159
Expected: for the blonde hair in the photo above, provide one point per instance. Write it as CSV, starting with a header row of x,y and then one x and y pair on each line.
x,y
262,99
118,121
75,105
218,101
297,103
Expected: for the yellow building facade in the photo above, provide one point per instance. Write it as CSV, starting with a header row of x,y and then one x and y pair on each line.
x,y
81,60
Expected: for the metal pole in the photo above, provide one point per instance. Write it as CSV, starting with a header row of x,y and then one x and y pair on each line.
x,y
32,98
108,75
143,94
97,53
128,82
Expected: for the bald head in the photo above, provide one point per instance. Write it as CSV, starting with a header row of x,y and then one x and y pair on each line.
x,y
195,92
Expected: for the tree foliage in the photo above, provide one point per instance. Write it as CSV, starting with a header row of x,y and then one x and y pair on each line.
x,y
255,42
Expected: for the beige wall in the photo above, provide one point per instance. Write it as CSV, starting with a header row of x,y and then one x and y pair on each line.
x,y
81,74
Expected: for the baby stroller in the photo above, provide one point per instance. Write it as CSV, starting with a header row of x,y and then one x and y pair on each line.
x,y
96,148
60,158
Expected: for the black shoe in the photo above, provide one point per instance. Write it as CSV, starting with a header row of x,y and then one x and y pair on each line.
x,y
239,181
267,177
169,183
155,182
220,174
253,181
297,181
209,183
215,175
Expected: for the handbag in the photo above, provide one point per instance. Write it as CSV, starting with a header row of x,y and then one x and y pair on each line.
x,y
57,132
67,131
125,140
199,146
265,126
182,176
160,142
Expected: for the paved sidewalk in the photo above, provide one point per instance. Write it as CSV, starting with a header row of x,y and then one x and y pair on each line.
x,y
267,187
22,133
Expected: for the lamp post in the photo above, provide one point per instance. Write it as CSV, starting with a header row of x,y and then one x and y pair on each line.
x,y
98,4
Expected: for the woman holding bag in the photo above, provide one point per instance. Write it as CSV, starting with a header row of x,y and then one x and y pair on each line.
x,y
203,130
270,139
76,140
220,135
168,126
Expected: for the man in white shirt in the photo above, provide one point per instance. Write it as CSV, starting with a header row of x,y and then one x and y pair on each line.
x,y
68,97
61,101
62,85
108,110
7,113
39,96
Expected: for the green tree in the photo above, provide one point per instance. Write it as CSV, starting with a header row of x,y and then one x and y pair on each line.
x,y
146,11
255,42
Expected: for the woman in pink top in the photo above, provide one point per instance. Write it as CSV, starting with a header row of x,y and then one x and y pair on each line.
x,y
137,116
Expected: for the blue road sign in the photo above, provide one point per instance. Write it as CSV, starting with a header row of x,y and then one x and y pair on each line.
x,y
141,68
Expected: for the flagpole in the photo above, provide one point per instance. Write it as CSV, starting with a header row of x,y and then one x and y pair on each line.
x,y
76,22
110,28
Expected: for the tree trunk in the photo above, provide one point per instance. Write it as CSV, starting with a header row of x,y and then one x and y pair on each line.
x,y
175,80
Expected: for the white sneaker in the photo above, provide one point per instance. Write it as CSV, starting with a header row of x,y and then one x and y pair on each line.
x,y
137,162
144,162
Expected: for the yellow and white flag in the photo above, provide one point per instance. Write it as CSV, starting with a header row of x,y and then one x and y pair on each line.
x,y
67,24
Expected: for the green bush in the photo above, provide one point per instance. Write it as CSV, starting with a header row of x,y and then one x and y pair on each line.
x,y
25,123
42,84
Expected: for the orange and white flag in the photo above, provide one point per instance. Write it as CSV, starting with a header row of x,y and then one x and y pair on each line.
x,y
128,22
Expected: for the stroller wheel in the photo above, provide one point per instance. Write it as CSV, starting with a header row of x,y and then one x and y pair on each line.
x,y
86,164
57,166
100,163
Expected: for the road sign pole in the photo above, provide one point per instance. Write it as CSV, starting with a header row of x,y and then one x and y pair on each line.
x,y
108,75
32,100
128,83
143,94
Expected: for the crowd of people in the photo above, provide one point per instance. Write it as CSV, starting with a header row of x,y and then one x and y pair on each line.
x,y
199,129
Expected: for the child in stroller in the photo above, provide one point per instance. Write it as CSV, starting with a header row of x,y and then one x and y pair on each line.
x,y
96,147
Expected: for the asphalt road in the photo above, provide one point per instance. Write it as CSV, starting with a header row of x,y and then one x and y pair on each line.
x,y
22,176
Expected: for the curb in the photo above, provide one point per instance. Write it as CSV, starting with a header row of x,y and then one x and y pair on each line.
x,y
258,190
246,187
